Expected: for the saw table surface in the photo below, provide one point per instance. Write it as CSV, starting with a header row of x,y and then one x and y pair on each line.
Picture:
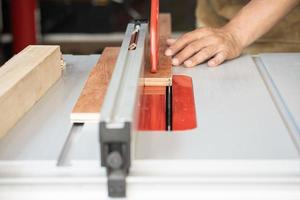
x,y
246,143
236,117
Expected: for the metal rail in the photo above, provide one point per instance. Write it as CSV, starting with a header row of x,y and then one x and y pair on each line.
x,y
119,109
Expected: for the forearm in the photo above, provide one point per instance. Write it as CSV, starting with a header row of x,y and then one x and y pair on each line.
x,y
257,18
219,44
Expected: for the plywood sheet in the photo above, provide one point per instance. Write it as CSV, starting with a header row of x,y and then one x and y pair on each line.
x,y
92,96
164,75
24,79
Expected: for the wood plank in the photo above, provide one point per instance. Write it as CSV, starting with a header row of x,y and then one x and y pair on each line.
x,y
164,75
92,96
24,79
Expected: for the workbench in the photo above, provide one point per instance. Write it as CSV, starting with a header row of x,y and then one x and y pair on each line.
x,y
246,144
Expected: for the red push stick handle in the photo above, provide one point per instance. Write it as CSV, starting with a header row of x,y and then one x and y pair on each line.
x,y
154,35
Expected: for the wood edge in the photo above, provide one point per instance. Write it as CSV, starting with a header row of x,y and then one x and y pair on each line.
x,y
74,115
85,117
159,82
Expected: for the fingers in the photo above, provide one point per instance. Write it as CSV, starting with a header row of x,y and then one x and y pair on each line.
x,y
171,41
201,56
217,60
183,41
189,51
215,45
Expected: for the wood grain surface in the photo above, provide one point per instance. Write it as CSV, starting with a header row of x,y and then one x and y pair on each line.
x,y
164,75
92,96
24,79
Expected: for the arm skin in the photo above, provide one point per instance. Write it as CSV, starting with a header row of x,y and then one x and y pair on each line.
x,y
219,44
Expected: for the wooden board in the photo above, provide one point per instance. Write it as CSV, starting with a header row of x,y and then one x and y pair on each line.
x,y
92,96
164,75
24,79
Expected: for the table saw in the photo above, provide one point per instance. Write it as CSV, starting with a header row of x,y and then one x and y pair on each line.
x,y
246,144
243,142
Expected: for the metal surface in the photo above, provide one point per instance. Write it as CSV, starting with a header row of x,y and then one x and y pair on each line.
x,y
118,114
265,135
124,84
236,119
284,68
64,158
278,98
216,163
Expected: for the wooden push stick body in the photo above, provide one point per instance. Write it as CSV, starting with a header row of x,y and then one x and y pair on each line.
x,y
92,96
24,79
163,77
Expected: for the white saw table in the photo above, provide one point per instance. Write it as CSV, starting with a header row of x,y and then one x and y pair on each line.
x,y
246,144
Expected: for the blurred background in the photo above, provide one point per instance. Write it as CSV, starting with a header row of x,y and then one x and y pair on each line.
x,y
87,26
79,26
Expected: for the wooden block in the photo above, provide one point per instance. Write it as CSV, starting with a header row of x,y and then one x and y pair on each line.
x,y
88,106
164,75
24,79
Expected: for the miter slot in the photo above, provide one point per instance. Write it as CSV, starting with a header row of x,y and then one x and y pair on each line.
x,y
64,157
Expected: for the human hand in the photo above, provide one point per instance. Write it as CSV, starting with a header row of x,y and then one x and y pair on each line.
x,y
204,44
